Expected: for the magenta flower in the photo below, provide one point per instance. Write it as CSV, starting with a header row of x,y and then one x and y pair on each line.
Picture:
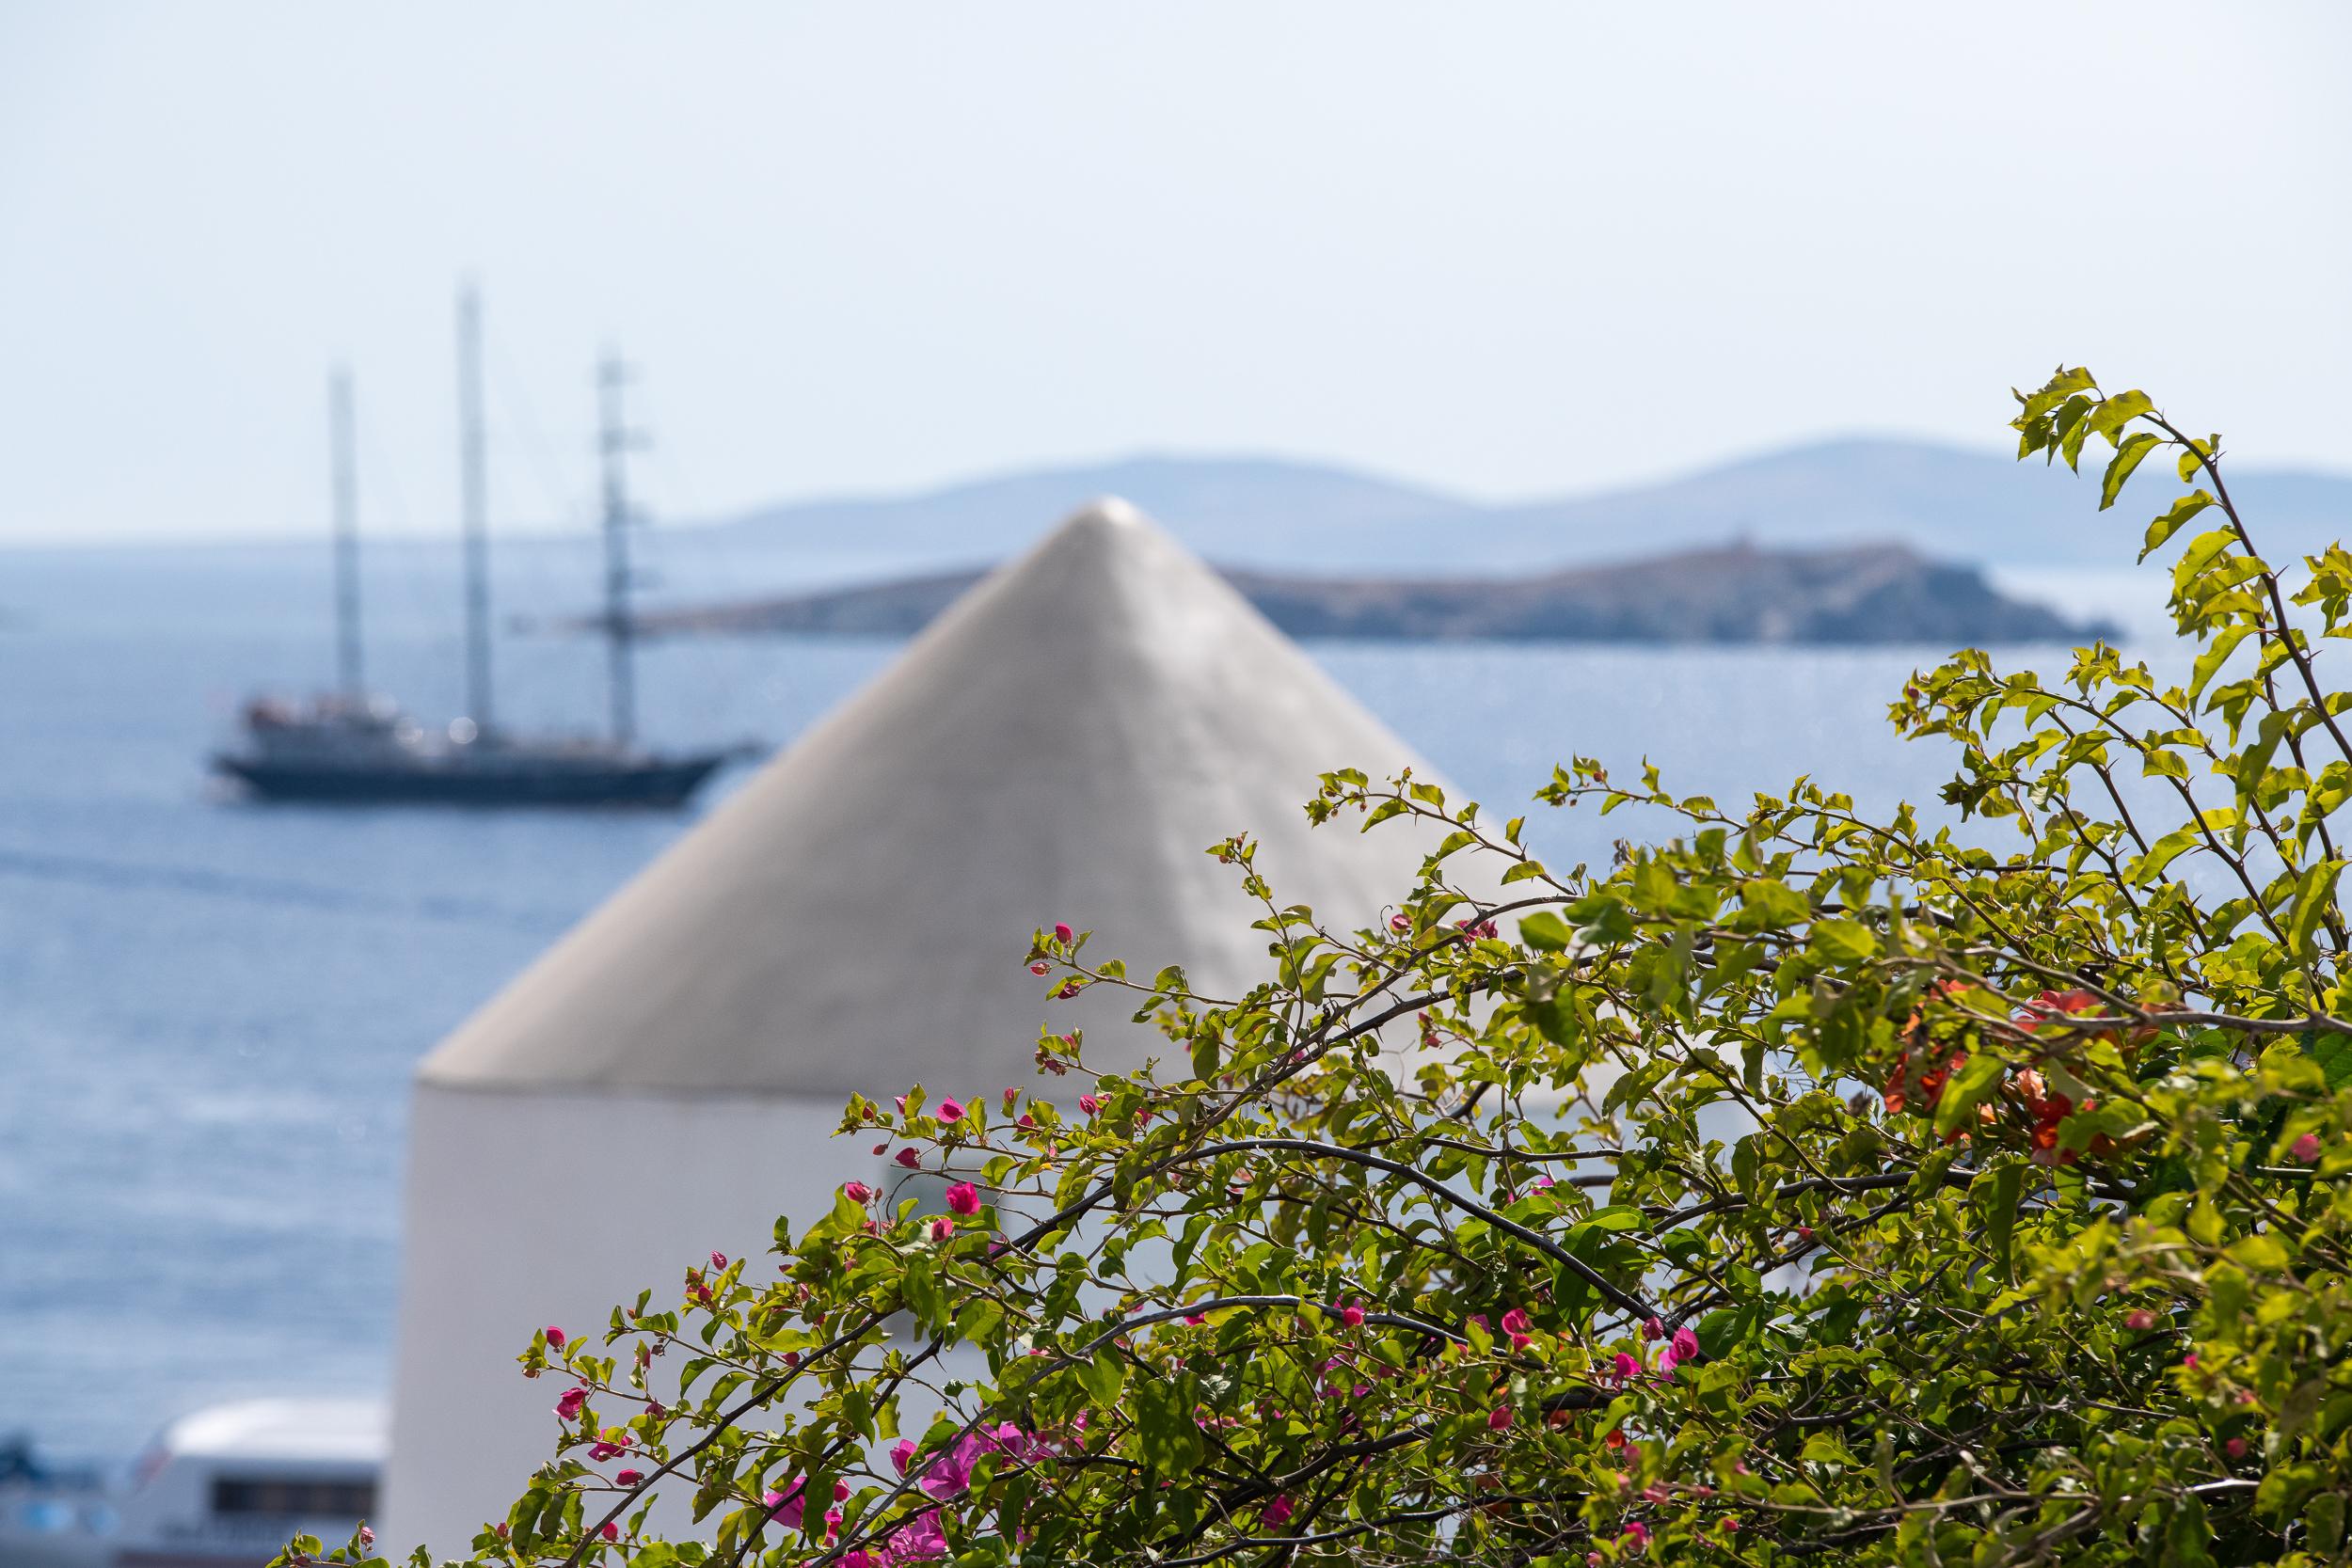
x,y
950,1111
857,1191
917,1541
1515,1323
555,1337
1499,1417
602,1452
1400,924
950,1474
1040,967
1012,1097
1653,1329
908,1158
1277,1513
1636,1537
941,1229
1088,1104
568,1407
628,1478
786,1507
1063,934
2234,1448
2307,1148
719,1262
1352,1315
965,1198
611,1530
901,1453
1627,1369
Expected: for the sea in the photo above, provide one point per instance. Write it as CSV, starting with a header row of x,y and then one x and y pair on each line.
x,y
210,1009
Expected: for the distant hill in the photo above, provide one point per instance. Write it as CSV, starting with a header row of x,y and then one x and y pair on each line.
x,y
1728,593
1946,503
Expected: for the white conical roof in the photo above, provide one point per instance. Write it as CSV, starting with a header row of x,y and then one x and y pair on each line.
x,y
1064,744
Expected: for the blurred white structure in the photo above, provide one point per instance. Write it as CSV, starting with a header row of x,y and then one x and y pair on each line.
x,y
1064,744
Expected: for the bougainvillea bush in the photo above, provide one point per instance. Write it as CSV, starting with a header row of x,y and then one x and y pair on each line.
x,y
1964,1186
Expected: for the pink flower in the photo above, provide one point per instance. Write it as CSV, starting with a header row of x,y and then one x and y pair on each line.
x,y
965,1198
950,1111
1195,1318
602,1452
785,1507
1730,1524
555,1338
719,1262
2139,1318
1400,924
611,1530
941,1229
901,1453
1277,1513
860,1559
568,1407
857,1191
628,1478
1636,1537
1626,1368
1040,967
1515,1323
1352,1315
950,1474
2234,1448
1499,1417
1063,935
366,1536
1012,1097
917,1541
1028,1121
908,1158
1088,1104
2307,1148
1653,1329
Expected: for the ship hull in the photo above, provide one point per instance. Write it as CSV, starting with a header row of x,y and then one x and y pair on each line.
x,y
655,783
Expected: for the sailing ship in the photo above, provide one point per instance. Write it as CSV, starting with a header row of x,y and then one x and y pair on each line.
x,y
356,747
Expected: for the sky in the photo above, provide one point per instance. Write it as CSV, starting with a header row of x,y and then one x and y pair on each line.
x,y
1505,249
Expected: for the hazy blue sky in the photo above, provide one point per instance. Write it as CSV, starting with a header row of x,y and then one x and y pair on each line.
x,y
1500,247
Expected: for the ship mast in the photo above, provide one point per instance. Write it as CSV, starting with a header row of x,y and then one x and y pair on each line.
x,y
345,486
474,509
614,440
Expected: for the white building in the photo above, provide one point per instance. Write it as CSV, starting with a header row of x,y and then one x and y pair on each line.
x,y
1062,745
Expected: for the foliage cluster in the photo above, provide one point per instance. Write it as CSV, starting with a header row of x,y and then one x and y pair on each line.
x,y
1957,1187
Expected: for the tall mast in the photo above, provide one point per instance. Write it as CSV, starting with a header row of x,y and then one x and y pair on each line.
x,y
348,672
473,508
613,440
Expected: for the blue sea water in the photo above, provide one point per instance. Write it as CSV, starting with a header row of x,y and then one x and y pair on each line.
x,y
209,1009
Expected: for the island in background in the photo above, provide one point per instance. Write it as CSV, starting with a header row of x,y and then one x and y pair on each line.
x,y
1850,594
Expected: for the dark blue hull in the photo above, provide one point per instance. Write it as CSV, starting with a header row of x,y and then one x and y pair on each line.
x,y
658,782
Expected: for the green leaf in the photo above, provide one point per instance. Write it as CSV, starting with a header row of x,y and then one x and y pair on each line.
x,y
1545,932
1996,1200
2127,457
1104,1375
1843,941
2171,523
2314,900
